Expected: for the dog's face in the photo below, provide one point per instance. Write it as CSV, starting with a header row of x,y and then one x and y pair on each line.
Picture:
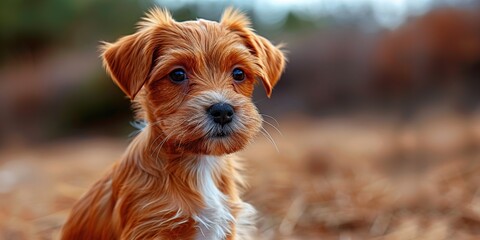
x,y
195,79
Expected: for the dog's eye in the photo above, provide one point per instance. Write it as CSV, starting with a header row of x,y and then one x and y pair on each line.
x,y
178,75
238,74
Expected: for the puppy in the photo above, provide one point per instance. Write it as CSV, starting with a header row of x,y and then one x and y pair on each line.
x,y
192,83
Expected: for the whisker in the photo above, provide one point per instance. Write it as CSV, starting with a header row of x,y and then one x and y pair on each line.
x,y
269,137
160,145
163,142
275,120
153,143
271,125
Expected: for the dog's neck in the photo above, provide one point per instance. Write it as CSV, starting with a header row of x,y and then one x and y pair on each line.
x,y
155,156
196,178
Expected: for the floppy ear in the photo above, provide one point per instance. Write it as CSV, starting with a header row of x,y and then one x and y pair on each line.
x,y
272,62
271,58
129,60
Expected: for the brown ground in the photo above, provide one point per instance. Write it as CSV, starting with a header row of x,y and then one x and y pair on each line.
x,y
337,178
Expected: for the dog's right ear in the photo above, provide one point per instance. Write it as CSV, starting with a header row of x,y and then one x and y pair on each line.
x,y
129,60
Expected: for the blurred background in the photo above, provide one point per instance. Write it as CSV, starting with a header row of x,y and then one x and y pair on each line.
x,y
378,114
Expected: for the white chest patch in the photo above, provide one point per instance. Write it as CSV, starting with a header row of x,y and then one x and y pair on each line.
x,y
213,222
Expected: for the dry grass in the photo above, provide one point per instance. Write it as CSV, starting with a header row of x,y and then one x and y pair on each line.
x,y
343,178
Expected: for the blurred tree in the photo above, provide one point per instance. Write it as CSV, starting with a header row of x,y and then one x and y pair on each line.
x,y
28,27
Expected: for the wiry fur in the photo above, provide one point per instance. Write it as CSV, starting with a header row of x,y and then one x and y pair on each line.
x,y
177,180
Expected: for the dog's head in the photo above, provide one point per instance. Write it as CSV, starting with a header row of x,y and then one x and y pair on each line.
x,y
194,80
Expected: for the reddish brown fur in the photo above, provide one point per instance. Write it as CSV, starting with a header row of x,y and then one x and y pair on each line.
x,y
153,191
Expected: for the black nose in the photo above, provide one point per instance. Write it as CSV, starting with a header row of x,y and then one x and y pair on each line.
x,y
222,113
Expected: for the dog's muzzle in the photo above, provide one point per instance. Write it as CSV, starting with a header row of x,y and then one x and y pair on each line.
x,y
222,115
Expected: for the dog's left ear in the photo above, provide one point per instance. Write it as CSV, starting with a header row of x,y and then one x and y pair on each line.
x,y
271,58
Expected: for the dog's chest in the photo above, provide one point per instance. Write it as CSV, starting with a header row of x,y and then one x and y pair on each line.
x,y
213,221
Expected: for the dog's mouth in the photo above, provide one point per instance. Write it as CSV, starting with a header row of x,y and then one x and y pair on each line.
x,y
221,133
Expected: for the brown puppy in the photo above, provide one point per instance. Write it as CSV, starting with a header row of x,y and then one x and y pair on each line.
x,y
192,83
